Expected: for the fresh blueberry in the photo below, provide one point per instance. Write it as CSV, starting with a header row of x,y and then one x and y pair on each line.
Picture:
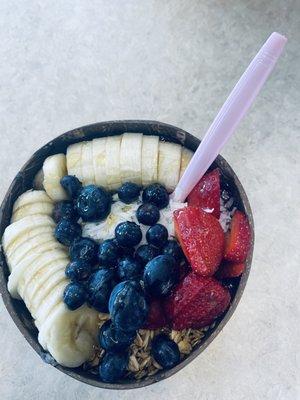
x,y
157,235
231,284
145,253
156,194
93,203
78,270
74,295
108,252
64,209
113,367
128,234
129,268
128,307
160,275
72,185
99,288
112,339
165,351
172,248
129,192
67,231
84,249
147,214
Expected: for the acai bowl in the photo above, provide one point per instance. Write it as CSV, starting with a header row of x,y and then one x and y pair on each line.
x,y
163,327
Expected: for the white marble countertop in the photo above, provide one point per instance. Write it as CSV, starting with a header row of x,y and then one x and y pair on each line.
x,y
69,63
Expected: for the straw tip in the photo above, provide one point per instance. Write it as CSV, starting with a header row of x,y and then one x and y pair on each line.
x,y
278,38
274,45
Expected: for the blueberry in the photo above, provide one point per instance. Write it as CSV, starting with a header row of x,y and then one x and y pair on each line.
x,y
173,249
129,268
231,284
93,203
74,295
147,214
67,231
129,192
99,288
156,194
78,270
112,339
128,234
64,209
146,252
113,367
108,252
165,351
128,307
160,275
157,235
72,185
84,249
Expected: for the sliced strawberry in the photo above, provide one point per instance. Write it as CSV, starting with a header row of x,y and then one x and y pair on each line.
x,y
201,238
238,239
230,270
156,317
206,194
196,302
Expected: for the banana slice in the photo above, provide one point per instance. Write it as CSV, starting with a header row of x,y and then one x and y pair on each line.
x,y
31,197
169,160
112,162
38,180
54,168
70,336
24,227
149,159
131,158
186,156
74,160
87,167
99,157
32,209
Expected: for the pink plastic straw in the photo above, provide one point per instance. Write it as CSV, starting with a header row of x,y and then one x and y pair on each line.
x,y
231,113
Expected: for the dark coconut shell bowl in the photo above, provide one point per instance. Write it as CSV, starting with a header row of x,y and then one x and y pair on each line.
x,y
24,181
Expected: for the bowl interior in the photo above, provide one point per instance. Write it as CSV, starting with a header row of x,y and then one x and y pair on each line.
x,y
23,181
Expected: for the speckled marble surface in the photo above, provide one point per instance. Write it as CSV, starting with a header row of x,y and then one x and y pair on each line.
x,y
68,63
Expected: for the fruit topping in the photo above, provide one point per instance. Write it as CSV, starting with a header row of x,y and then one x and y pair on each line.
x,y
84,249
74,295
160,275
128,234
156,194
108,253
145,253
156,317
196,302
147,214
129,192
238,239
173,249
67,231
165,351
78,270
129,268
206,194
64,209
113,339
72,185
99,288
157,235
230,270
93,203
128,307
113,367
201,238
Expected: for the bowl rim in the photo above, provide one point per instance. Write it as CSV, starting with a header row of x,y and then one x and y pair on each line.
x,y
87,132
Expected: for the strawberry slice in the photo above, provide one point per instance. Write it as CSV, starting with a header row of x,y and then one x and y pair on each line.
x,y
230,270
196,302
201,238
238,239
156,317
206,194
